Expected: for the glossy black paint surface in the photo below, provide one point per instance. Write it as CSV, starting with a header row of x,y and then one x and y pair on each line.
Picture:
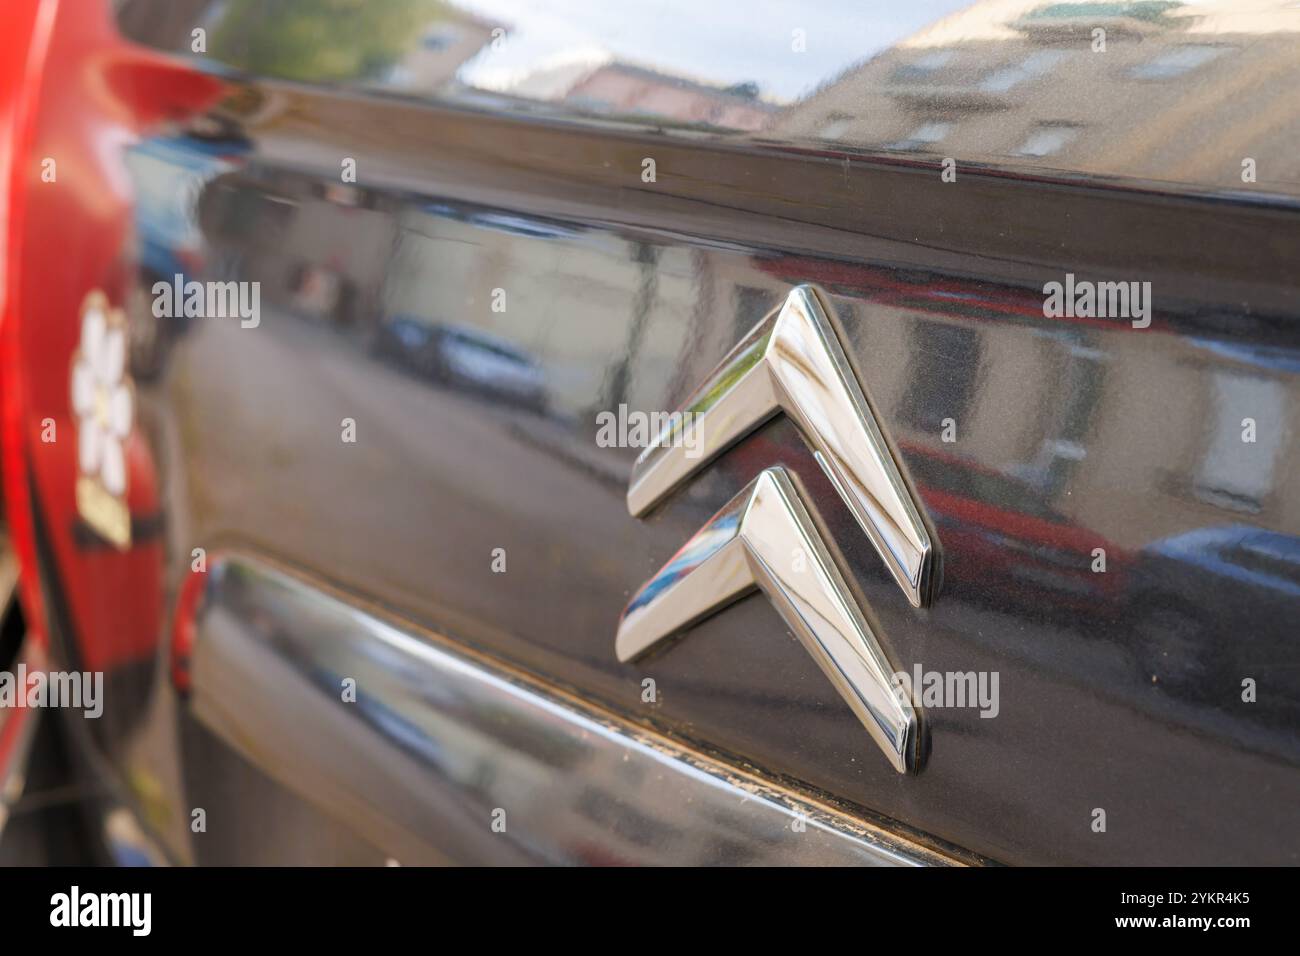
x,y
476,430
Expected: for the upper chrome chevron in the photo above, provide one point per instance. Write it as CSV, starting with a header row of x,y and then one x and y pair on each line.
x,y
793,361
764,539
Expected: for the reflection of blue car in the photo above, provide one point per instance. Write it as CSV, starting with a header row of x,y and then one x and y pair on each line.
x,y
491,365
522,225
1266,561
411,342
470,358
1184,640
513,223
169,174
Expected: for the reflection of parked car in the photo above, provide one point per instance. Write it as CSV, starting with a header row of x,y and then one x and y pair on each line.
x,y
411,342
1184,647
491,365
468,358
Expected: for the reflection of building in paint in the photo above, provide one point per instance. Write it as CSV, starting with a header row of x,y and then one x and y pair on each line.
x,y
599,83
1057,407
1050,406
1003,79
320,250
1054,407
1230,472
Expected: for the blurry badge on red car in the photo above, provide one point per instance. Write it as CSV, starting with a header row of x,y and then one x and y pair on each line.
x,y
103,401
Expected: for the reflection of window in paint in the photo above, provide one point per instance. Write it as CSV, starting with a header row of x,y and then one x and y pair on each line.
x,y
1034,65
942,376
1176,62
923,67
1078,371
1233,473
927,134
1047,139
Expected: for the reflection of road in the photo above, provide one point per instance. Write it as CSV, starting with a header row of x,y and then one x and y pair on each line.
x,y
460,450
261,421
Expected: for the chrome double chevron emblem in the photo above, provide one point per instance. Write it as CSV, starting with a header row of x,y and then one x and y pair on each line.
x,y
793,363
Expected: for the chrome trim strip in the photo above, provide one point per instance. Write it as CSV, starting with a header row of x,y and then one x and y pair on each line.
x,y
13,774
439,739
764,539
793,361
17,727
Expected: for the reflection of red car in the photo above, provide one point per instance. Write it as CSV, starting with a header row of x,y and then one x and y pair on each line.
x,y
1023,553
64,163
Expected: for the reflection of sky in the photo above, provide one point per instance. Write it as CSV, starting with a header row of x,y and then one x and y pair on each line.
x,y
708,40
